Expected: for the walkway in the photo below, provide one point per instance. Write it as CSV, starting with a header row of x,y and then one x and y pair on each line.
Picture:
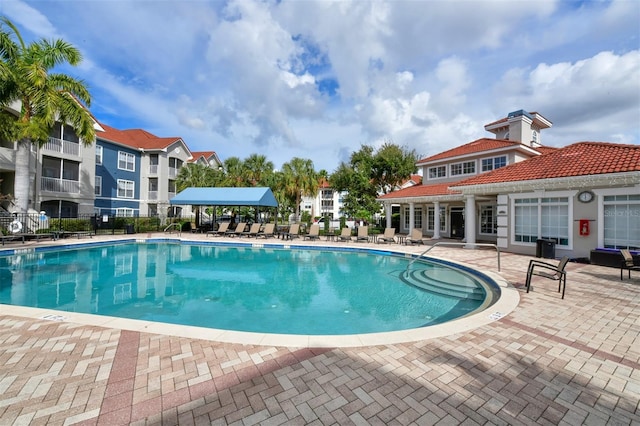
x,y
551,361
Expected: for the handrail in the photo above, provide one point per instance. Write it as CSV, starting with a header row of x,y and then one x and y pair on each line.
x,y
178,227
453,244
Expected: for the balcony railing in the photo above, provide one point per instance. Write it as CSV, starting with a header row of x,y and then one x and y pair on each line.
x,y
153,169
153,195
60,185
62,146
173,172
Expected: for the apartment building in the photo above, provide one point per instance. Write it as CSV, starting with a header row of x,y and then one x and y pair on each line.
x,y
514,191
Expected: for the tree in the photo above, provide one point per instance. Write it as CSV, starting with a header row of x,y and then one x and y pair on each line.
x,y
257,168
370,173
44,97
299,179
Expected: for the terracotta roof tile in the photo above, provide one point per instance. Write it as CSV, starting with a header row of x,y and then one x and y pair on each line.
x,y
136,138
479,145
421,191
579,159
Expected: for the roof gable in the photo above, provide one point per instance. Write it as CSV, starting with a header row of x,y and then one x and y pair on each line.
x,y
137,138
578,159
475,147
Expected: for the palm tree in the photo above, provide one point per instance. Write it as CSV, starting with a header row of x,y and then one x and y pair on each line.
x,y
257,169
44,97
300,179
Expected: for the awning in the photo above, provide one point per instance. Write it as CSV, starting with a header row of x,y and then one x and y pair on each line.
x,y
225,197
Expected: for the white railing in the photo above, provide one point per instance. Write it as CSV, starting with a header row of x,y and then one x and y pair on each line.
x,y
153,169
62,146
60,185
153,195
173,172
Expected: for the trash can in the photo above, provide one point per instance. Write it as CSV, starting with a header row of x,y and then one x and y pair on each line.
x,y
546,248
128,229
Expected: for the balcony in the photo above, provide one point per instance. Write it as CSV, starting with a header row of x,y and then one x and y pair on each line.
x,y
60,185
153,169
173,172
153,195
62,147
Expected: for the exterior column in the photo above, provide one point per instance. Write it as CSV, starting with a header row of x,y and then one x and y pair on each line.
x,y
470,221
387,214
436,220
412,216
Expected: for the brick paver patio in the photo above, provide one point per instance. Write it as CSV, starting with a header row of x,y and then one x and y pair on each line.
x,y
551,361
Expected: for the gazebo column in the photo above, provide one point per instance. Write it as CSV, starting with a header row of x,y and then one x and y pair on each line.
x,y
470,221
387,214
436,220
412,215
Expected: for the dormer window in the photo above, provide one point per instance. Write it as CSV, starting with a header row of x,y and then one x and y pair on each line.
x,y
437,172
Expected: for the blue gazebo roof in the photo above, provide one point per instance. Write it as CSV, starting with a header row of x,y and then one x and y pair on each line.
x,y
226,197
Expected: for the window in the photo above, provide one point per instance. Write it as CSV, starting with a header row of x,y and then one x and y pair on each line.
x,y
98,155
124,212
98,187
125,188
534,136
431,219
488,220
622,221
437,172
126,161
417,218
546,218
493,163
466,168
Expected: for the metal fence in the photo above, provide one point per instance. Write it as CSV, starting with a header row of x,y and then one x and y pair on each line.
x,y
27,223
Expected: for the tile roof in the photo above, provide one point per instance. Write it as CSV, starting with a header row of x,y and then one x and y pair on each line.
x,y
479,145
578,159
198,154
421,191
136,138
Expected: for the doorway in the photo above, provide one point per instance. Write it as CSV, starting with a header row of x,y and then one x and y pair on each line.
x,y
457,222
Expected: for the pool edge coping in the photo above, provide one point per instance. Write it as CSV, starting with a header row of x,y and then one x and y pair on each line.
x,y
506,303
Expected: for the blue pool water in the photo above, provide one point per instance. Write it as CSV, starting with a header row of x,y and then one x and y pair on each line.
x,y
289,291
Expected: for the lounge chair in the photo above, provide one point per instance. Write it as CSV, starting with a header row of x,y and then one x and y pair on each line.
x,y
294,232
389,236
314,233
253,230
363,234
550,271
238,231
268,231
415,237
222,229
627,263
345,234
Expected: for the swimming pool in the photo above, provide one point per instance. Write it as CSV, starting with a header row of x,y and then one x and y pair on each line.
x,y
328,292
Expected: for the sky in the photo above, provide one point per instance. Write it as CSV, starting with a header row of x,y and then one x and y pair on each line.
x,y
317,79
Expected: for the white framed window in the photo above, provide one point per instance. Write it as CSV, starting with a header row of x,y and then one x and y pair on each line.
x,y
99,155
493,163
98,187
124,212
465,168
126,188
621,221
542,217
417,218
488,219
437,172
431,220
126,161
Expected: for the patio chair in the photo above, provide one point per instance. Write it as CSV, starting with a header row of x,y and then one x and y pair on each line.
x,y
345,234
222,229
268,231
294,232
550,271
627,263
415,237
363,234
314,232
253,230
238,231
389,236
